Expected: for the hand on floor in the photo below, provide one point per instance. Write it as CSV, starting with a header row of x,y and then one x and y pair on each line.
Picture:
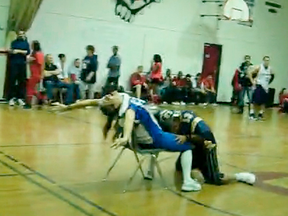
x,y
209,145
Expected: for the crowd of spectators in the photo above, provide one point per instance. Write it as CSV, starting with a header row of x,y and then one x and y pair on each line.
x,y
52,81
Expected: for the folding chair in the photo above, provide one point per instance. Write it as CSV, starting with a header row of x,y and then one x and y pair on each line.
x,y
133,146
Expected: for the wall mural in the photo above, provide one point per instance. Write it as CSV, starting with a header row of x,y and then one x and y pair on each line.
x,y
128,9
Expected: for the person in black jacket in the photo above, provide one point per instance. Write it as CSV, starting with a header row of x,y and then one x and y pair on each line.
x,y
88,73
244,83
19,50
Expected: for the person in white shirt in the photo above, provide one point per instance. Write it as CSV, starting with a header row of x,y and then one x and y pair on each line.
x,y
62,67
263,77
74,72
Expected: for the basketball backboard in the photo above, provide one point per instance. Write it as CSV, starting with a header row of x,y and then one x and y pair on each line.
x,y
238,10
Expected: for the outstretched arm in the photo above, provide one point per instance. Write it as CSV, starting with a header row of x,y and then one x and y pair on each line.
x,y
78,105
84,103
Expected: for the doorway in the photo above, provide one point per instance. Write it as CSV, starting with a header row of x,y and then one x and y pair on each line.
x,y
212,62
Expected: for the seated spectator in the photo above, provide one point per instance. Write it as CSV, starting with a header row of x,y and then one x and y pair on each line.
x,y
208,84
61,65
166,83
51,81
174,92
74,74
188,90
88,73
283,100
199,91
138,82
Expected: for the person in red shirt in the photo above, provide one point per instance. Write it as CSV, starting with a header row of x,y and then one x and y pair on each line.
x,y
283,100
156,74
37,63
209,88
138,82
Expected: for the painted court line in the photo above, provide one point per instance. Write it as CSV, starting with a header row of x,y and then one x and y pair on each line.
x,y
84,199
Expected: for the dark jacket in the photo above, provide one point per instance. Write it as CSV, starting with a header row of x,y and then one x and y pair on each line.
x,y
21,45
89,64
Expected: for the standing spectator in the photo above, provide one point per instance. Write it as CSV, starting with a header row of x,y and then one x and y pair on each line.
x,y
74,72
63,76
236,87
114,65
264,75
138,82
88,74
156,74
52,81
208,84
245,85
20,49
37,63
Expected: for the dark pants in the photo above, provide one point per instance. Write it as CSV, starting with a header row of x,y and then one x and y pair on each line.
x,y
173,94
260,96
199,96
245,90
18,73
211,97
113,80
76,91
285,107
50,85
205,160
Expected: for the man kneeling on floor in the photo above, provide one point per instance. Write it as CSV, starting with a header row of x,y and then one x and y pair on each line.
x,y
205,164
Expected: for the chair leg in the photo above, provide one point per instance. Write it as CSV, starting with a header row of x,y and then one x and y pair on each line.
x,y
114,163
61,96
138,161
160,172
132,177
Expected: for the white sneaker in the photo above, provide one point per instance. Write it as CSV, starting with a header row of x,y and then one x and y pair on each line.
x,y
21,102
12,102
175,103
248,178
164,103
182,103
192,185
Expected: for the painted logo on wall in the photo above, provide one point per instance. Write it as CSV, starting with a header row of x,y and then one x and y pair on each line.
x,y
128,9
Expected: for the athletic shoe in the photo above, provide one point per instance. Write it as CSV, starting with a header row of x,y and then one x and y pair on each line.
x,y
247,178
252,116
260,116
192,185
175,103
182,103
27,106
12,102
20,102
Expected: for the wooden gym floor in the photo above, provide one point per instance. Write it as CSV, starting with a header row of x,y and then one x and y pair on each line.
x,y
53,165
